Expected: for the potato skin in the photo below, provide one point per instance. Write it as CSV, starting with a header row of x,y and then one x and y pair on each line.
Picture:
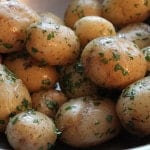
x,y
112,62
14,96
56,44
31,130
15,18
81,8
133,107
87,121
35,75
121,13
91,27
48,102
139,33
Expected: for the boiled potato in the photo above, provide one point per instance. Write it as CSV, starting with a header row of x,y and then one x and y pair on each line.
x,y
91,27
14,96
81,8
133,107
56,44
139,33
74,83
15,18
87,121
112,62
31,130
51,18
48,102
35,75
123,12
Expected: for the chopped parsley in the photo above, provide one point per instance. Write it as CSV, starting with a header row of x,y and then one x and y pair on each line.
x,y
34,50
109,118
116,56
7,45
118,67
14,120
70,108
51,104
51,35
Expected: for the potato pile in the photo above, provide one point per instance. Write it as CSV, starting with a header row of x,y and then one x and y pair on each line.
x,y
53,73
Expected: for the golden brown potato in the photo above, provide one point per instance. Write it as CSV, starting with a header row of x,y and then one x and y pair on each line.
x,y
14,96
56,44
139,33
81,8
123,12
133,107
91,27
48,102
15,17
113,62
146,52
35,75
87,121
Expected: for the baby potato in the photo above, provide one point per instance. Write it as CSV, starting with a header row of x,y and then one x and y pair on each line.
x,y
87,121
113,62
48,102
31,130
123,12
14,96
146,52
133,107
51,18
35,75
15,18
74,83
56,44
139,33
91,27
81,8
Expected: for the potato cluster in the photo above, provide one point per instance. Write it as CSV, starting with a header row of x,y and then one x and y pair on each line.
x,y
53,73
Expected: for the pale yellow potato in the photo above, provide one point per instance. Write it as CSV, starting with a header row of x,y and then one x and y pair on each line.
x,y
74,83
81,8
91,27
146,52
48,102
14,96
31,130
123,12
56,44
133,107
87,121
139,33
113,62
35,75
15,18
51,18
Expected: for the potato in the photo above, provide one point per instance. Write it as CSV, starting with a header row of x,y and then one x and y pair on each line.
x,y
87,121
56,44
51,18
14,96
48,102
74,83
112,62
15,18
81,8
123,12
133,107
35,75
31,130
139,33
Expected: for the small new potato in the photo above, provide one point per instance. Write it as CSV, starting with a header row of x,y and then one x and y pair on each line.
x,y
87,121
113,62
35,75
14,96
56,44
139,33
123,12
31,130
48,102
81,8
91,27
133,107
15,17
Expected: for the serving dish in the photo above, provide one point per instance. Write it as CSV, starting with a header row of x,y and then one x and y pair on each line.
x,y
124,140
